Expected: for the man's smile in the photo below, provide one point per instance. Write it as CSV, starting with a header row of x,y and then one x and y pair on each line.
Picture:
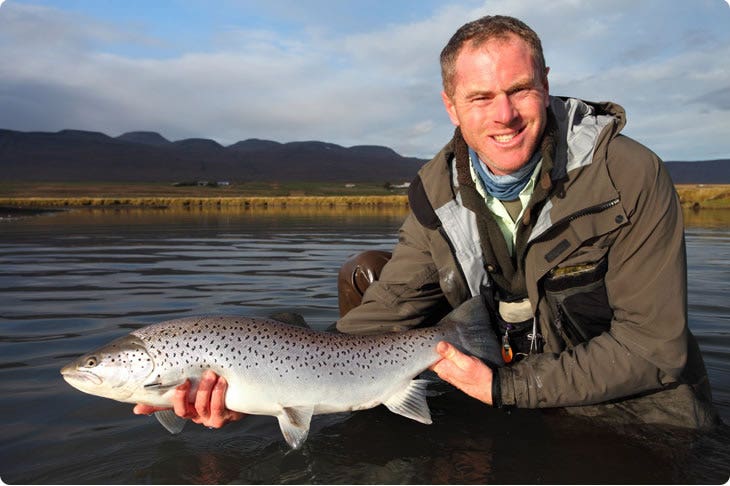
x,y
506,138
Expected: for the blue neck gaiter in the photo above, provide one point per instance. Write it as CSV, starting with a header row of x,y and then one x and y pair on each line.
x,y
504,187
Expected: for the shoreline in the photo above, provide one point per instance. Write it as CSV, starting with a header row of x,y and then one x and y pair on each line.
x,y
26,203
693,196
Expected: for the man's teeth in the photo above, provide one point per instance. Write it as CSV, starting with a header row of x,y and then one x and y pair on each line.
x,y
504,138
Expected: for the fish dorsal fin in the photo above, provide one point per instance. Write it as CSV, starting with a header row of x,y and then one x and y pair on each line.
x,y
411,402
291,318
294,423
170,421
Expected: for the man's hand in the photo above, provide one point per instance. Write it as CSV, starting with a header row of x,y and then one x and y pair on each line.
x,y
209,407
467,373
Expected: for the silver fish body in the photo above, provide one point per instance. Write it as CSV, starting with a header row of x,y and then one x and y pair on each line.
x,y
277,369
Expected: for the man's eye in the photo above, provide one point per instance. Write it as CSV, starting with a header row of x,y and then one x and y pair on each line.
x,y
520,94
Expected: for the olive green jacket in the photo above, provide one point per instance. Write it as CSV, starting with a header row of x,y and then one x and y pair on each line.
x,y
612,206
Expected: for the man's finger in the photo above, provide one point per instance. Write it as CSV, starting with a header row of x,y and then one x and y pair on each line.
x,y
445,369
180,400
450,353
218,403
142,409
204,393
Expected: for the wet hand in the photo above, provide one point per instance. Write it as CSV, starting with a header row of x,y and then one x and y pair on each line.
x,y
467,373
208,407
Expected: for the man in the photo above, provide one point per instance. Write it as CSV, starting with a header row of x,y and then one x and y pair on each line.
x,y
571,231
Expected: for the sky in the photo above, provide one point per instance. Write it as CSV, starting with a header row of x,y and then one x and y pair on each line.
x,y
349,72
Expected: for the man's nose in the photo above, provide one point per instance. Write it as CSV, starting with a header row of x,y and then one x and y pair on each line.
x,y
504,109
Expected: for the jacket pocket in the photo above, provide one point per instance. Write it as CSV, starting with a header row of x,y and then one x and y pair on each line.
x,y
577,298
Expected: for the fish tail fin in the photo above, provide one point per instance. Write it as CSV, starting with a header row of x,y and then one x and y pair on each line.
x,y
469,328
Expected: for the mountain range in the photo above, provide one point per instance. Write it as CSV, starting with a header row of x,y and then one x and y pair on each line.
x,y
74,155
140,156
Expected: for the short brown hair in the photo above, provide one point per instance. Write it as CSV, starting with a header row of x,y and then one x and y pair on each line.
x,y
482,30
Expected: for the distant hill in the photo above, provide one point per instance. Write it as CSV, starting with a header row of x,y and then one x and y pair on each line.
x,y
74,155
701,172
143,156
147,138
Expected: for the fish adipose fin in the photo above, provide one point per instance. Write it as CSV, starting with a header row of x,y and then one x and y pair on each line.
x,y
294,424
411,402
170,421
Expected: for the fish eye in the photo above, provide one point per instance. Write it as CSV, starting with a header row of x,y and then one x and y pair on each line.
x,y
91,361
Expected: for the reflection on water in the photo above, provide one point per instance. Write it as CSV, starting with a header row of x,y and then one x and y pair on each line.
x,y
707,218
73,280
141,215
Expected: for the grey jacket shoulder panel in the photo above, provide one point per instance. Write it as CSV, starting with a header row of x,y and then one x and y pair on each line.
x,y
580,123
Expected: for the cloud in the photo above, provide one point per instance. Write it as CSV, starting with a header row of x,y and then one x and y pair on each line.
x,y
363,89
378,85
718,99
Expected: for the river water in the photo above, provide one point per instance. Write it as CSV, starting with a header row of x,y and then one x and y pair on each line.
x,y
71,281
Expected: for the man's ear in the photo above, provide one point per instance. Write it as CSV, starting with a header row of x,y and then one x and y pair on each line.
x,y
450,108
546,87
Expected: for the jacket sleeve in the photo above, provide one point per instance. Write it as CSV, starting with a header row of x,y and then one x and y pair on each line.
x,y
407,294
646,345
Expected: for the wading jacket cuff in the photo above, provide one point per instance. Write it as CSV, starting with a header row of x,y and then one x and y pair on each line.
x,y
496,389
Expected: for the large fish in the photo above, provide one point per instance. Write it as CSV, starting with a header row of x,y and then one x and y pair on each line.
x,y
276,369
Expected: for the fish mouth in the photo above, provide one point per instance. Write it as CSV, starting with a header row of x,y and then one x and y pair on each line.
x,y
75,376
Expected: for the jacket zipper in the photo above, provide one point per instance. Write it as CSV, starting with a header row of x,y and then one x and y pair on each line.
x,y
579,214
591,210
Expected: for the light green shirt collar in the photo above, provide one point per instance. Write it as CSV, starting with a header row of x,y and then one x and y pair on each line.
x,y
504,220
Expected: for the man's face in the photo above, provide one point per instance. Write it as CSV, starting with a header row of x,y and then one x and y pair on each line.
x,y
500,100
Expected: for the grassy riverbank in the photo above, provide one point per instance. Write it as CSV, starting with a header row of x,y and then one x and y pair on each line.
x,y
66,195
69,195
709,196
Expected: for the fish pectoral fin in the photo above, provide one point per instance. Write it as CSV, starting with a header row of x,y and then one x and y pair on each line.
x,y
162,386
411,402
170,421
294,423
